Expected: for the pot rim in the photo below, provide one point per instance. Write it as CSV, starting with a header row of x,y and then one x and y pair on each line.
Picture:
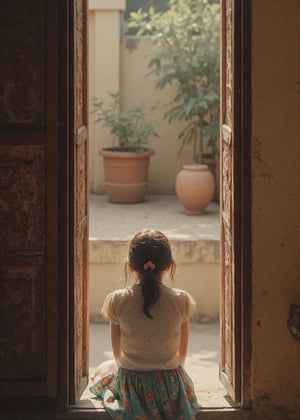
x,y
195,167
118,152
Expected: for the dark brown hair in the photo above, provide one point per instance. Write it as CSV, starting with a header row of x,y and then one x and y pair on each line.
x,y
150,255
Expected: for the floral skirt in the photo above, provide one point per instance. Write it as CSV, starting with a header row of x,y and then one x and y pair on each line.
x,y
134,395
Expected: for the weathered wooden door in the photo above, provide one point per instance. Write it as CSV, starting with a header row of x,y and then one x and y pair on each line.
x,y
235,206
28,199
79,339
43,200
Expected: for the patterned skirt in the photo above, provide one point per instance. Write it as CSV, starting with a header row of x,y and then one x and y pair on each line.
x,y
134,395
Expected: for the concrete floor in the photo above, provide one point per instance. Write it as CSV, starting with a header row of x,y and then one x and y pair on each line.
x,y
162,212
110,221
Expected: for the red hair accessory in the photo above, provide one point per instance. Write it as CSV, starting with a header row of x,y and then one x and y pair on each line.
x,y
149,264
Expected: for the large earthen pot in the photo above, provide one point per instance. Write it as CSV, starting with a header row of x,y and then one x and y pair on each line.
x,y
195,187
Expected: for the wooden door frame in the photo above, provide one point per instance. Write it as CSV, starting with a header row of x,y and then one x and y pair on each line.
x,y
245,202
64,205
70,139
241,214
79,326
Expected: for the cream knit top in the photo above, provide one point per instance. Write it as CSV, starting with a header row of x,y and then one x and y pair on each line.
x,y
149,344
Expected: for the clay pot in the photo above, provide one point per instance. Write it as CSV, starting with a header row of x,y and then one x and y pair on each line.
x,y
126,174
195,187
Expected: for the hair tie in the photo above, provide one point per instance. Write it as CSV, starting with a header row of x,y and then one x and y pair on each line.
x,y
149,264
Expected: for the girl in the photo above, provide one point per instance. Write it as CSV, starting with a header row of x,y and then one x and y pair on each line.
x,y
149,334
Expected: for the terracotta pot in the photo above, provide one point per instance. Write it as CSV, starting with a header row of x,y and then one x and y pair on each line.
x,y
195,187
126,175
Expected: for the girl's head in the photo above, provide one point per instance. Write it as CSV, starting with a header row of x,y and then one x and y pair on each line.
x,y
150,256
150,251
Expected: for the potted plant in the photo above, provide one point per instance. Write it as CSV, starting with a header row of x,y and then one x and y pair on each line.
x,y
126,162
186,37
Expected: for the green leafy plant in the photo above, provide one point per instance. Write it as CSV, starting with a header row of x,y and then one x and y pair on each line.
x,y
186,37
130,128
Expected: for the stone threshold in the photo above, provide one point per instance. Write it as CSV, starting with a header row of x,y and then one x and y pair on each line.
x,y
204,414
77,413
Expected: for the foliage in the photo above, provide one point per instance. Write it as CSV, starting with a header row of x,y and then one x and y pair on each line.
x,y
134,5
129,127
186,56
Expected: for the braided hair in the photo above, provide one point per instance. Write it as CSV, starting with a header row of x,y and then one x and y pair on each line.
x,y
150,255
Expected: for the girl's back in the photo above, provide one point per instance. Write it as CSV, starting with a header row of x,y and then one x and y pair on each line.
x,y
149,344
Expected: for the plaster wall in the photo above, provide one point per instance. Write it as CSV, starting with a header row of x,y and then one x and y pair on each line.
x,y
104,74
118,63
275,206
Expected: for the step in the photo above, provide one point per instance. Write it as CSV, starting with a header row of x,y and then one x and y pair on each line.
x,y
195,241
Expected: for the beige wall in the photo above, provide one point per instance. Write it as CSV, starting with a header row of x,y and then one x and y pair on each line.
x,y
104,72
119,63
275,205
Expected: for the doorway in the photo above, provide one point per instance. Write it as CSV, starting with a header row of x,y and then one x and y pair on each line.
x,y
196,238
235,207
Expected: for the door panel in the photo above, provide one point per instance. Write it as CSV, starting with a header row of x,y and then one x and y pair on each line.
x,y
230,338
28,196
235,199
79,198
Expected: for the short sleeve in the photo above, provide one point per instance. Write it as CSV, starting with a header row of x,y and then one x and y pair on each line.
x,y
189,306
109,309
